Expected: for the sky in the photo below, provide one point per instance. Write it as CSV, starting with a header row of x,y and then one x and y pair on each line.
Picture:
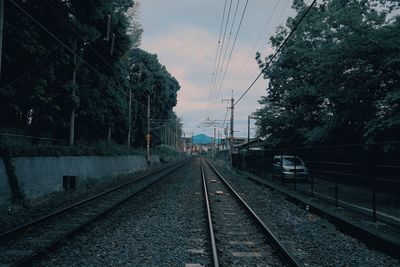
x,y
185,33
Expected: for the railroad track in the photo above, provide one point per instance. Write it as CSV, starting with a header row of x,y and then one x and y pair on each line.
x,y
238,236
27,243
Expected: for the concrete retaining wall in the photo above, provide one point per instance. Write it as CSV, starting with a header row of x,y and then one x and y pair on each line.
x,y
38,176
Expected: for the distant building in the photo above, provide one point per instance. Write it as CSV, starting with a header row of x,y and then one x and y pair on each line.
x,y
253,144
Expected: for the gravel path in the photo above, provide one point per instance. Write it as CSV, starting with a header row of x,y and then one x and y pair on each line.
x,y
163,226
312,239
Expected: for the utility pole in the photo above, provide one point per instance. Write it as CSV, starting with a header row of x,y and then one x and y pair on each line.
x,y
109,135
108,27
191,143
72,122
248,133
148,128
232,120
215,146
165,135
218,140
112,43
1,30
184,142
129,117
161,136
171,137
232,107
176,137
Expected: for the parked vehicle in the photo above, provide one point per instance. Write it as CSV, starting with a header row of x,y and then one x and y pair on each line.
x,y
289,167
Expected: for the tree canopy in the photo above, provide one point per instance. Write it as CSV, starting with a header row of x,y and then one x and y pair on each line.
x,y
336,80
37,92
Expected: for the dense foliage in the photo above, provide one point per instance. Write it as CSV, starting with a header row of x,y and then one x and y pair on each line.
x,y
337,79
37,93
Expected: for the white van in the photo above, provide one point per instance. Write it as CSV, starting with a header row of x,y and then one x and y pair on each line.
x,y
289,167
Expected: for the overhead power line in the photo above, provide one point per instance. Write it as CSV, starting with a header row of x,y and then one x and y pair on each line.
x,y
251,53
221,65
219,58
277,51
115,72
230,55
82,38
216,57
71,50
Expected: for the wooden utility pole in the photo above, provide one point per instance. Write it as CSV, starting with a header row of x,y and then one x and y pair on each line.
x,y
218,140
176,137
184,142
232,120
215,146
191,143
232,107
148,129
72,121
112,43
109,135
129,117
248,133
108,27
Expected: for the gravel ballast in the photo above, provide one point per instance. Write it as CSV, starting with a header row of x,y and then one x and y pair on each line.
x,y
313,240
165,225
161,226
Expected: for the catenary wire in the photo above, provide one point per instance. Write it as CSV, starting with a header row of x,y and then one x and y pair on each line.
x,y
230,54
220,54
216,55
258,40
89,45
221,67
80,36
276,53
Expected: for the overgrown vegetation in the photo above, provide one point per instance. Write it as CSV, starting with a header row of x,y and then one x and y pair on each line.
x,y
37,92
337,80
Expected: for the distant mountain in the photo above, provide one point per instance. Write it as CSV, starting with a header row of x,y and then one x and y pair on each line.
x,y
202,139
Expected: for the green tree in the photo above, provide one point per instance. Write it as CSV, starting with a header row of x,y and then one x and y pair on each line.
x,y
330,82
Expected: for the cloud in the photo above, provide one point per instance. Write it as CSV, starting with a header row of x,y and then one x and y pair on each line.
x,y
188,52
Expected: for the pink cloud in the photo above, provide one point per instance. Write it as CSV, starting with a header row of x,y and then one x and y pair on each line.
x,y
188,52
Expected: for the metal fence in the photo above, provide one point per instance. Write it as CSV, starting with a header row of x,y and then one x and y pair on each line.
x,y
361,176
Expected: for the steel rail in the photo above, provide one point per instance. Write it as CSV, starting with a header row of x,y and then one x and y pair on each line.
x,y
25,226
283,253
209,218
36,254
